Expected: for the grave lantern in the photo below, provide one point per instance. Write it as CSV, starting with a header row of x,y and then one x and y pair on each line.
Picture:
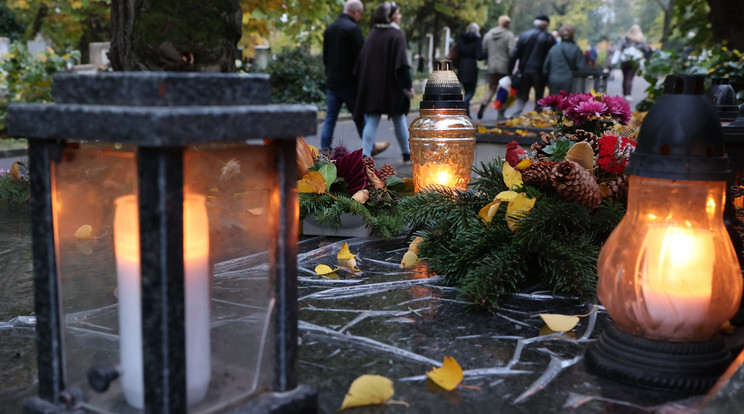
x,y
668,275
442,138
164,215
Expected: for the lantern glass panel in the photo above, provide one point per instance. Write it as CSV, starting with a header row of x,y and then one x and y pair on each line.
x,y
231,215
442,143
669,270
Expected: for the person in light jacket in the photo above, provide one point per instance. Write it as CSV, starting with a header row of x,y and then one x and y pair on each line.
x,y
498,44
562,61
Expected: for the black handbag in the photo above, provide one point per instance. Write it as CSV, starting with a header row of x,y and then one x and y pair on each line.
x,y
516,80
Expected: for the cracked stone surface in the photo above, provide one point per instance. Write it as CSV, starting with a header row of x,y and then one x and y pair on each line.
x,y
384,321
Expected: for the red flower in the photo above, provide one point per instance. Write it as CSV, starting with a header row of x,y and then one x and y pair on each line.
x,y
614,153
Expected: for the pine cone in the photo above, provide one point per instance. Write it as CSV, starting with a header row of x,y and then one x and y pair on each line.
x,y
538,175
576,184
587,136
369,162
616,189
385,172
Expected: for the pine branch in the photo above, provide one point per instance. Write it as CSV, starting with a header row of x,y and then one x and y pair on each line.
x,y
490,179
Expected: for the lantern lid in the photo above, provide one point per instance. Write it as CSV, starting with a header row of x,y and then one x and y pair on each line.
x,y
681,137
442,89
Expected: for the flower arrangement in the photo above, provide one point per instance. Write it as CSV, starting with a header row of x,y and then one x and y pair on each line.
x,y
592,112
340,181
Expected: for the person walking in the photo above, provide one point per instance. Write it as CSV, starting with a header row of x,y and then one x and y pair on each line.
x,y
342,43
498,44
469,52
632,54
532,48
385,83
562,61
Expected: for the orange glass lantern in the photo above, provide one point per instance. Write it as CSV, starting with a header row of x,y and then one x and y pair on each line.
x,y
442,138
668,275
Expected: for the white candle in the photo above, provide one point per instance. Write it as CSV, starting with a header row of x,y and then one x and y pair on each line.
x,y
677,276
196,286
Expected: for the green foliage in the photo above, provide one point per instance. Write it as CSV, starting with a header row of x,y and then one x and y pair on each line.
x,y
297,77
381,217
28,78
557,150
555,245
14,191
10,27
718,61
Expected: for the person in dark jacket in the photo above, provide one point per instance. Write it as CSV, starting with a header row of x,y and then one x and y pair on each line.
x,y
532,48
385,83
562,61
342,43
469,52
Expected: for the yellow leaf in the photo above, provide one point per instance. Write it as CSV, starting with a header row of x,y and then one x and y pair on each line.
x,y
84,232
512,177
345,253
486,213
409,259
523,164
368,390
312,182
520,132
314,150
506,196
415,243
559,323
481,129
323,270
349,263
448,376
521,205
15,174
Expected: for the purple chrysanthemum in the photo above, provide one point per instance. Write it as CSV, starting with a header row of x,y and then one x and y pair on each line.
x,y
552,101
571,104
587,110
618,108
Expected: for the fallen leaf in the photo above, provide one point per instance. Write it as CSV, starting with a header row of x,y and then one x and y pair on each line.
x,y
368,390
506,196
409,259
481,129
523,164
512,177
361,196
486,213
324,270
345,253
84,232
448,376
519,206
559,323
312,182
15,174
415,243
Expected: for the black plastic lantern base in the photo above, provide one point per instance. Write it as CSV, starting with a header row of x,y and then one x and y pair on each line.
x,y
675,367
301,400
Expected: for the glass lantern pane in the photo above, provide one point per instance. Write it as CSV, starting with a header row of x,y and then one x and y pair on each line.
x,y
231,220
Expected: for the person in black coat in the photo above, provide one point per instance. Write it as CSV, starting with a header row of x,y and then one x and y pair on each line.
x,y
532,48
342,43
469,52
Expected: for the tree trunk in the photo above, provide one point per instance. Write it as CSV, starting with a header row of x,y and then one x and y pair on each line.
x,y
667,9
726,20
180,36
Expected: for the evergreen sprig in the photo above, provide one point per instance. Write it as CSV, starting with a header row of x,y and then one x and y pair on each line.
x,y
382,219
555,245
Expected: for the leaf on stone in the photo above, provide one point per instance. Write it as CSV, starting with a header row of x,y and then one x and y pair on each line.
x,y
519,206
346,258
512,177
506,196
559,323
409,260
345,253
486,213
312,182
415,243
84,232
448,376
368,390
325,270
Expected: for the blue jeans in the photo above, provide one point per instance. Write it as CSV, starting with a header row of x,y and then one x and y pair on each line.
x,y
370,131
336,98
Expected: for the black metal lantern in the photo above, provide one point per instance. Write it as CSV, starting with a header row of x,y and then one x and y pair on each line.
x,y
164,215
668,275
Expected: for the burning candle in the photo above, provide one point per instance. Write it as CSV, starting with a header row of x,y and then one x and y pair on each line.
x,y
437,174
197,301
677,276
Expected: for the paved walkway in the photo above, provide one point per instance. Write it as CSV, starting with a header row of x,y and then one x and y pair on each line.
x,y
346,132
